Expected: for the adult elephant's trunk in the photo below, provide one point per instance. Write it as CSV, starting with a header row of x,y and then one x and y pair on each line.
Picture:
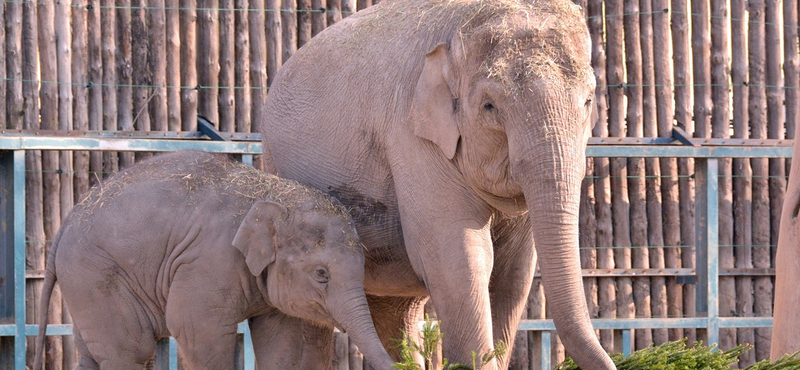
x,y
548,161
351,311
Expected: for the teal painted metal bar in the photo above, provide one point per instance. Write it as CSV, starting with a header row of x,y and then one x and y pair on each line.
x,y
707,244
162,354
627,342
546,345
19,258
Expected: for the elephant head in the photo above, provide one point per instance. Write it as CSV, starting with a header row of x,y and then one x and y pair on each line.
x,y
509,100
312,265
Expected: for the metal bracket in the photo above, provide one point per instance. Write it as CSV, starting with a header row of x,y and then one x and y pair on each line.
x,y
683,137
206,127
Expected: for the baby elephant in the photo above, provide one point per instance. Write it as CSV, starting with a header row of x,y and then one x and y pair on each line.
x,y
190,244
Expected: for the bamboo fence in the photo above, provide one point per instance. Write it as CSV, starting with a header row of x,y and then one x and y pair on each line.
x,y
715,68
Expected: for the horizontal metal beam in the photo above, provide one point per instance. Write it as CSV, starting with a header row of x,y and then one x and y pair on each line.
x,y
164,141
657,323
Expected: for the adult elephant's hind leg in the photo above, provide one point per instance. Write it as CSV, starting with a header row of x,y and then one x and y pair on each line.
x,y
392,316
514,264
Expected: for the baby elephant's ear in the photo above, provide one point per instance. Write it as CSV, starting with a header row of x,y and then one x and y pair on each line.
x,y
256,237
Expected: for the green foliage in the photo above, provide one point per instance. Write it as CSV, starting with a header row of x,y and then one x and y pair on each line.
x,y
431,336
676,356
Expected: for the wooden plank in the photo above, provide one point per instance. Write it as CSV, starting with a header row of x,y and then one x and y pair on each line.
x,y
109,51
207,54
95,79
606,289
124,75
242,69
141,93
334,13
227,66
13,58
188,60
258,62
274,39
80,92
157,62
303,22
318,19
173,63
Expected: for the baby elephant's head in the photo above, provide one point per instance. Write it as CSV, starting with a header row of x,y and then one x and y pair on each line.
x,y
314,267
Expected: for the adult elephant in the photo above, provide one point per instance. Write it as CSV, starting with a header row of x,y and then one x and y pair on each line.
x,y
441,123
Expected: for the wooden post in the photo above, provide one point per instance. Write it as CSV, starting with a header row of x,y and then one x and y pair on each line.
x,y
157,61
655,237
109,51
303,22
124,75
274,39
289,19
242,70
742,192
363,4
334,13
318,21
13,58
348,8
208,60
536,312
80,93
258,62
3,71
141,93
588,235
227,73
619,192
720,125
683,116
606,290
173,65
188,40
34,197
791,70
95,79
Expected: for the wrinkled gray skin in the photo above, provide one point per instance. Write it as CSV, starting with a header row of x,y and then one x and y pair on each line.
x,y
455,132
190,244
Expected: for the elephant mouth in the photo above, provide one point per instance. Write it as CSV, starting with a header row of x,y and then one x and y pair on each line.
x,y
513,206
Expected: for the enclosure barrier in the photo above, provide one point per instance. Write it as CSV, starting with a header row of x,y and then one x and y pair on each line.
x,y
705,152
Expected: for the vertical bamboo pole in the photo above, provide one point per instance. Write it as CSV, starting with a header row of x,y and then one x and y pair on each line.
x,y
80,93
157,55
141,77
49,112
65,167
742,191
655,237
318,21
208,59
34,196
13,56
636,170
188,39
227,78
758,129
334,13
124,75
289,32
683,116
616,128
303,22
95,80
109,50
606,290
173,65
776,171
242,70
274,39
258,62
720,126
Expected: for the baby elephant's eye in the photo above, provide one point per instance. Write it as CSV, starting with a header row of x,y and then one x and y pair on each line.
x,y
321,275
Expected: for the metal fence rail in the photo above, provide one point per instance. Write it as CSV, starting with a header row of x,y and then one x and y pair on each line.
x,y
706,153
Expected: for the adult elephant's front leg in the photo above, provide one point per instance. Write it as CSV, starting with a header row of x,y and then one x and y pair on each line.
x,y
514,264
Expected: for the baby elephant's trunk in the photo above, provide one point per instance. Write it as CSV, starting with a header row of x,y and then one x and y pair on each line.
x,y
352,313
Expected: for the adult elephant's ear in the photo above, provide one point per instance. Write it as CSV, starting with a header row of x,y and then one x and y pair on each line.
x,y
434,108
257,236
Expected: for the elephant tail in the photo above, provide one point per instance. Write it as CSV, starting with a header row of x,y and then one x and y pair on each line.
x,y
44,303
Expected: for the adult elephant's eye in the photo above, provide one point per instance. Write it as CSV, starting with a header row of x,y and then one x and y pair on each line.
x,y
488,106
321,275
